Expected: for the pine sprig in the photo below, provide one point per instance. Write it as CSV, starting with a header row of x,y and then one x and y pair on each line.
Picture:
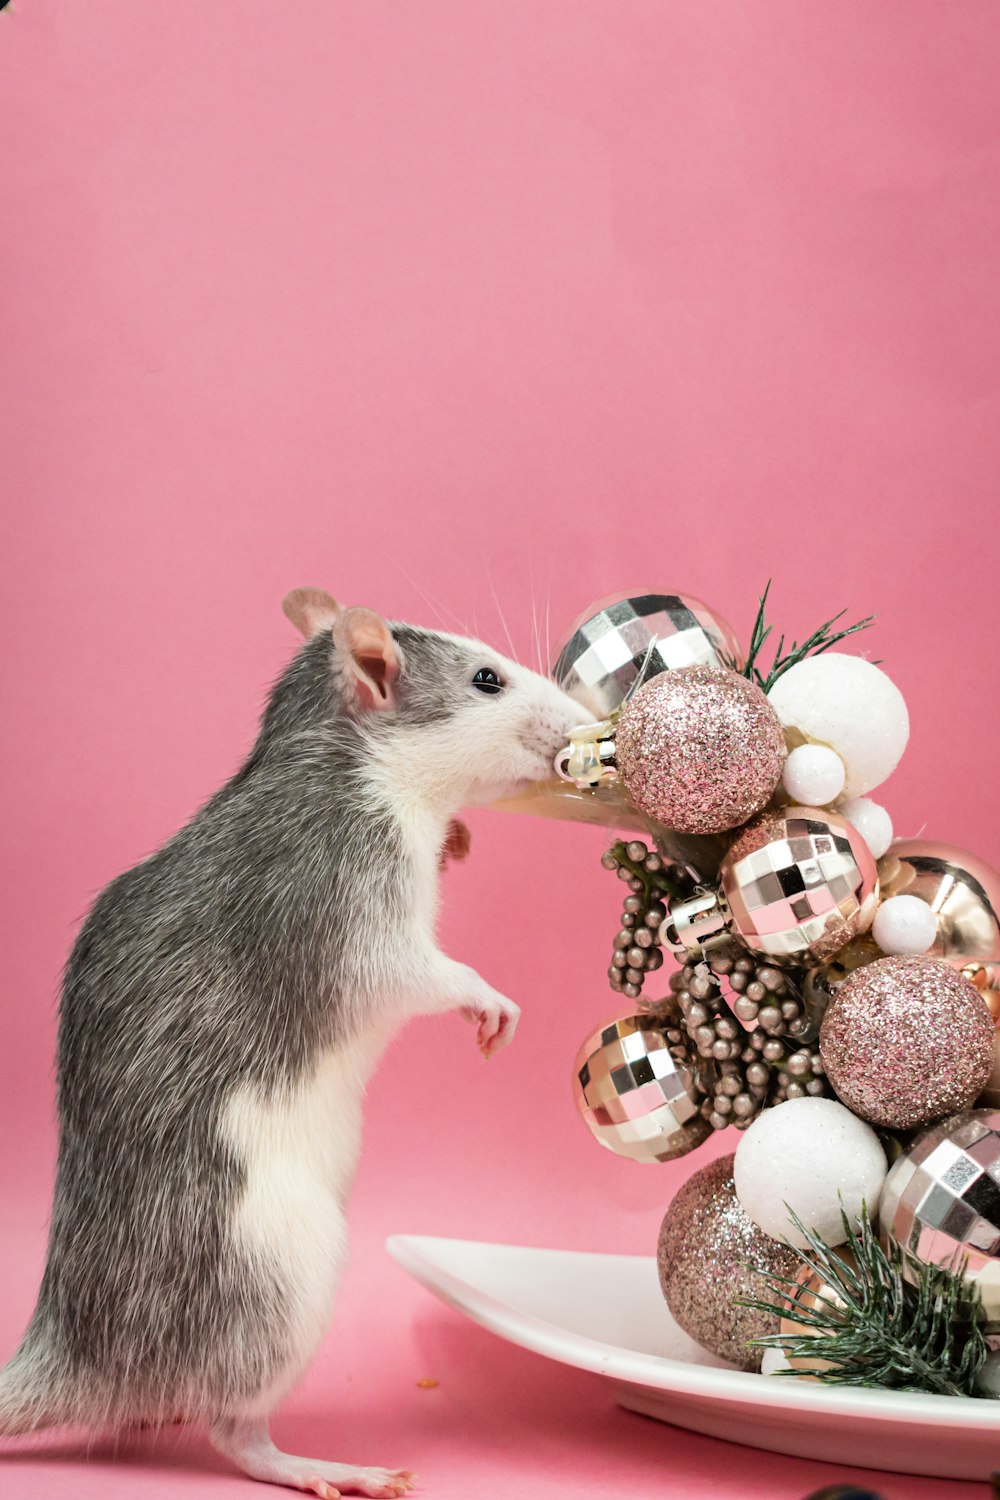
x,y
904,1325
822,639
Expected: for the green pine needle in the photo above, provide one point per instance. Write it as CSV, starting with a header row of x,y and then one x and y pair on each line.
x,y
822,639
905,1326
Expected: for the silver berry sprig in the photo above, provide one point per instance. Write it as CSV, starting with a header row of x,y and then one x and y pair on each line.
x,y
653,882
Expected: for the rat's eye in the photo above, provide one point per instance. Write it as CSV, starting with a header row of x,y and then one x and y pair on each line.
x,y
487,681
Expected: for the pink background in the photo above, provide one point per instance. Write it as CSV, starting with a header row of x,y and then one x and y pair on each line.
x,y
419,302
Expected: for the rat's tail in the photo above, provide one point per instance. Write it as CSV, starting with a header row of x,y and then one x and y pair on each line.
x,y
28,1398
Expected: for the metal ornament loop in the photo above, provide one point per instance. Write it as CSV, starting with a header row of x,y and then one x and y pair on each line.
x,y
589,758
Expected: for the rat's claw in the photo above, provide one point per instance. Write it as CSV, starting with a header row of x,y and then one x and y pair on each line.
x,y
379,1484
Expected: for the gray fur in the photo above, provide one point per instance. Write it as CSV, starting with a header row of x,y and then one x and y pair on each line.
x,y
230,956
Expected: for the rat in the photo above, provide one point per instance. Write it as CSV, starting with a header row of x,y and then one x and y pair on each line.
x,y
222,1008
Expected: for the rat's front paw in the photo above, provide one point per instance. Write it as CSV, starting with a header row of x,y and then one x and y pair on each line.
x,y
495,1020
457,843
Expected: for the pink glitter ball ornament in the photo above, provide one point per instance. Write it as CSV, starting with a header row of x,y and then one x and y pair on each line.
x,y
699,749
906,1041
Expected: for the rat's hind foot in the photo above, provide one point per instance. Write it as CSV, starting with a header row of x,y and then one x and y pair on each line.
x,y
248,1445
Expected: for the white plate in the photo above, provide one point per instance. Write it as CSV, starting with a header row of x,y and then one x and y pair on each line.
x,y
605,1313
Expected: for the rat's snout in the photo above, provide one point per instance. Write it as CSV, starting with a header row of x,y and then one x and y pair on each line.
x,y
562,714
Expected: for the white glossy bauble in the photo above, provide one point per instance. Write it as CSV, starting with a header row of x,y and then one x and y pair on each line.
x,y
811,1156
813,775
851,706
872,822
905,925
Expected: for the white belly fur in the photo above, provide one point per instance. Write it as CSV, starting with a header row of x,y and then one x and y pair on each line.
x,y
300,1150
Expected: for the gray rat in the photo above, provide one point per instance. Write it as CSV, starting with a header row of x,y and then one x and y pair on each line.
x,y
222,1007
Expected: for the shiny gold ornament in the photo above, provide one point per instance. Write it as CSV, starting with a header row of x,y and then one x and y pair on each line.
x,y
640,1089
607,805
963,891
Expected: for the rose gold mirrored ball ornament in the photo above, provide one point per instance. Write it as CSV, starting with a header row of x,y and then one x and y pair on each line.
x,y
641,1093
962,890
601,655
799,883
941,1200
709,1255
699,749
905,1041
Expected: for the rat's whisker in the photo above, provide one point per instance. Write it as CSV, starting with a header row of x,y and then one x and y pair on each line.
x,y
503,622
534,622
440,609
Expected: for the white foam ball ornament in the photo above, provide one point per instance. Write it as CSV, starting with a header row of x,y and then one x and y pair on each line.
x,y
905,926
871,821
852,707
811,1156
814,775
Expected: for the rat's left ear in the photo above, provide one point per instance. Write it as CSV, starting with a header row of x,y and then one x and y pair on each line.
x,y
310,610
368,653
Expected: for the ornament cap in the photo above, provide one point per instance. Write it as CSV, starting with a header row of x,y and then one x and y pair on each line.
x,y
589,758
698,926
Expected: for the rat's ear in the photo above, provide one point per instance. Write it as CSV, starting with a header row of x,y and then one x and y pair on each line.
x,y
367,650
310,610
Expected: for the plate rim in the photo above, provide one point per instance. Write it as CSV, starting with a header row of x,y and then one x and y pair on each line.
x,y
414,1253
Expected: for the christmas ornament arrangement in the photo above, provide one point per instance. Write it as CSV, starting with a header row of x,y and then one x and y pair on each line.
x,y
827,991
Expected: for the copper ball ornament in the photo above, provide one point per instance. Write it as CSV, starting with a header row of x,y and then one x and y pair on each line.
x,y
641,1093
799,883
961,889
905,1041
600,658
941,1200
814,1293
709,1255
699,749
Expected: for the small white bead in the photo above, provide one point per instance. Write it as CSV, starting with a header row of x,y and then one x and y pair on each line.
x,y
904,925
872,822
814,775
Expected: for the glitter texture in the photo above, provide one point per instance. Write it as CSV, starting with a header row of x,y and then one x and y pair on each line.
x,y
699,749
907,1040
639,1091
707,1246
941,1200
799,884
